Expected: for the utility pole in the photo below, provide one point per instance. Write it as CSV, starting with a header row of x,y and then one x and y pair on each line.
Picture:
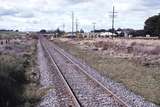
x,y
113,19
94,27
72,23
63,27
76,25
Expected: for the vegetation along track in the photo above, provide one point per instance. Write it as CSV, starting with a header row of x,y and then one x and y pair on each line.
x,y
87,91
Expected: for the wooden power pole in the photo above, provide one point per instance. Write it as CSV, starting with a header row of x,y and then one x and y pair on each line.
x,y
113,19
72,23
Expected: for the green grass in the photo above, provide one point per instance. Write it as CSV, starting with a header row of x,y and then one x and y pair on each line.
x,y
140,79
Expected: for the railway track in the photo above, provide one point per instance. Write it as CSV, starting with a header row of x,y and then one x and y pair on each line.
x,y
84,89
63,87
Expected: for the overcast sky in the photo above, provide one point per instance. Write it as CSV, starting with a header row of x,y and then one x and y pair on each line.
x,y
34,15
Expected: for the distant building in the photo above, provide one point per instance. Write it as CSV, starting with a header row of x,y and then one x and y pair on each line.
x,y
148,36
70,35
107,34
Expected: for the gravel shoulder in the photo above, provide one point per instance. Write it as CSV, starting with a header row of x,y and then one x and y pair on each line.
x,y
54,93
50,98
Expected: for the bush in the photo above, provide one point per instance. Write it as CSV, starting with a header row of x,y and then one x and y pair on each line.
x,y
156,50
104,45
12,78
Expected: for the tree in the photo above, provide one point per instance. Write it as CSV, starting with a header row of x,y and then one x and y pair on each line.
x,y
119,29
112,30
135,33
81,31
16,30
152,25
99,31
43,31
58,32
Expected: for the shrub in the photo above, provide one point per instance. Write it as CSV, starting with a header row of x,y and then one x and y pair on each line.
x,y
12,78
156,50
104,45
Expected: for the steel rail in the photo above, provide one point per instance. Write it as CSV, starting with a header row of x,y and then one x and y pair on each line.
x,y
75,99
91,77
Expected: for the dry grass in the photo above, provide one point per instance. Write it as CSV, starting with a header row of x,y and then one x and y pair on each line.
x,y
18,69
34,93
143,80
129,47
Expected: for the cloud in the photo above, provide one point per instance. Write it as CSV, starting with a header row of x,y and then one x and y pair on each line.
x,y
151,3
6,12
50,14
78,1
25,15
